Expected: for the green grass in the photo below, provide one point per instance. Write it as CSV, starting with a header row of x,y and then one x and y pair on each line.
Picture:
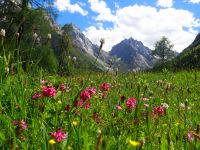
x,y
112,129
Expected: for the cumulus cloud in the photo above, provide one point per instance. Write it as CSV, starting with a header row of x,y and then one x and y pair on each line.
x,y
147,24
65,5
194,1
165,3
100,7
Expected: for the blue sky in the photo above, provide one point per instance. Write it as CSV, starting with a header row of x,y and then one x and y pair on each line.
x,y
143,20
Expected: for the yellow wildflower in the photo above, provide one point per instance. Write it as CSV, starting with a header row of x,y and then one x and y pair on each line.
x,y
75,123
52,141
59,102
134,143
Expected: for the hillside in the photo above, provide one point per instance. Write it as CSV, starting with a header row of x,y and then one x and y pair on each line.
x,y
190,57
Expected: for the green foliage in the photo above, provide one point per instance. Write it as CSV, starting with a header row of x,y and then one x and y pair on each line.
x,y
163,49
189,59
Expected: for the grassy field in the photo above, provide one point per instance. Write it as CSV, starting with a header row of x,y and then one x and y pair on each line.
x,y
101,111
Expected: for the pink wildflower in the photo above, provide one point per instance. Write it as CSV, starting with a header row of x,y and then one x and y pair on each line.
x,y
105,87
59,135
36,96
91,90
160,110
131,103
79,103
189,136
62,87
146,105
144,99
43,81
119,107
87,105
85,95
21,125
49,91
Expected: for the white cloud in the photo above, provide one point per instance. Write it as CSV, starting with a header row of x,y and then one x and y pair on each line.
x,y
194,1
101,8
147,24
165,3
65,5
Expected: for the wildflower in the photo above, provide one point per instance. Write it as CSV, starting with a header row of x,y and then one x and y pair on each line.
x,y
21,125
79,103
105,87
87,105
131,103
43,81
62,87
59,102
134,143
69,57
59,135
85,95
160,110
49,36
119,107
36,96
184,107
165,105
189,136
52,141
91,90
144,99
49,91
146,105
35,35
75,123
3,32
102,40
74,58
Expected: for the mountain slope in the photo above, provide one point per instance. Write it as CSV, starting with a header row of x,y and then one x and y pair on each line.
x,y
87,48
133,54
190,57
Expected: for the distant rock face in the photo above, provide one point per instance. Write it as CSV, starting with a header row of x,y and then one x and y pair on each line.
x,y
134,54
85,45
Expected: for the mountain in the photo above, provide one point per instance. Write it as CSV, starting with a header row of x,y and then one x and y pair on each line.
x,y
132,54
189,58
87,48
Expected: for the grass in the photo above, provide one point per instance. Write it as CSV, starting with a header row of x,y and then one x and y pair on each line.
x,y
102,126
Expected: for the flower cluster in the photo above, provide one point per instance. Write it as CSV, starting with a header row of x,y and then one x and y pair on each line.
x,y
58,135
105,87
85,96
49,91
36,96
131,103
62,87
159,110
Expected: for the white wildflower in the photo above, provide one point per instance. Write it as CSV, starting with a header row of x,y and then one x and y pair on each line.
x,y
3,33
165,105
49,36
35,35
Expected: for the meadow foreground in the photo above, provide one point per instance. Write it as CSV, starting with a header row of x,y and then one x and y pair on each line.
x,y
102,111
